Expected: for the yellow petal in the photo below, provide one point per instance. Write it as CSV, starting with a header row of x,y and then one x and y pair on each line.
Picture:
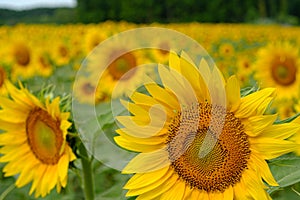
x,y
254,102
137,147
147,162
281,131
176,192
215,195
174,61
178,85
192,74
271,148
144,179
264,169
140,98
228,193
162,95
160,190
148,141
254,185
134,109
195,194
158,183
256,124
240,192
233,94
63,165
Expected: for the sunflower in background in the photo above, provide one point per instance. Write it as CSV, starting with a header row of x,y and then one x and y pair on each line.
x,y
87,91
278,65
187,150
33,144
23,61
93,37
117,65
61,52
44,65
244,69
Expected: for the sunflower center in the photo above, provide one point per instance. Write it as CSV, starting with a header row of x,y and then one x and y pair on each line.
x,y
2,76
121,65
88,88
44,136
164,48
284,70
203,158
22,55
63,51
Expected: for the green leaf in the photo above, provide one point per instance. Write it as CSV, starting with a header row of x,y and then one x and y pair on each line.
x,y
248,90
286,170
287,120
291,192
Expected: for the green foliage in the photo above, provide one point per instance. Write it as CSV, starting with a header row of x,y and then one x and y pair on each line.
x,y
286,170
166,11
187,10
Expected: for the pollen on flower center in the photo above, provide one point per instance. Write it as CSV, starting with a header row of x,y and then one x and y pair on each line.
x,y
223,164
44,136
284,70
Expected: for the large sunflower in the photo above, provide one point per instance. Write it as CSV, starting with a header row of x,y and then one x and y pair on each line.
x,y
196,148
278,66
34,141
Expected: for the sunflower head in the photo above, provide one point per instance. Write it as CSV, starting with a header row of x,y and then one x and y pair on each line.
x,y
21,54
193,144
278,65
34,141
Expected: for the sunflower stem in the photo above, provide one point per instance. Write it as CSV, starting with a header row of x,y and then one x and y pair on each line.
x,y
88,179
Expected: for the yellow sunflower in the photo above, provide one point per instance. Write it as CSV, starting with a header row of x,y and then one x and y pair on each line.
x,y
86,91
93,36
196,148
34,141
23,59
244,69
118,66
278,66
226,50
44,66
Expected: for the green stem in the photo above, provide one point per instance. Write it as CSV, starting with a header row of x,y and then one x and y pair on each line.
x,y
88,180
7,191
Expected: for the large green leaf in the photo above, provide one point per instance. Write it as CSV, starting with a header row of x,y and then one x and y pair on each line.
x,y
286,170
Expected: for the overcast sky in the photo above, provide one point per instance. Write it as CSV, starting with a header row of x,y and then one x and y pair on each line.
x,y
27,4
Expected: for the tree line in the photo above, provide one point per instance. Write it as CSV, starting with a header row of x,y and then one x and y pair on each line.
x,y
162,11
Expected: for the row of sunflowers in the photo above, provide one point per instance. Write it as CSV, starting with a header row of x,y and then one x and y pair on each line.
x,y
246,50
52,77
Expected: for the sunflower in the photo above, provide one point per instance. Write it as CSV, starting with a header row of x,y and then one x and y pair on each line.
x,y
44,66
86,91
161,54
93,37
278,66
226,50
244,69
23,61
34,141
118,65
193,146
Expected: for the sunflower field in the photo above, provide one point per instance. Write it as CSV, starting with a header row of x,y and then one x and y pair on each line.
x,y
175,111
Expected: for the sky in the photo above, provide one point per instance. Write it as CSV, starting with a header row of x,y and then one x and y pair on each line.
x,y
28,4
